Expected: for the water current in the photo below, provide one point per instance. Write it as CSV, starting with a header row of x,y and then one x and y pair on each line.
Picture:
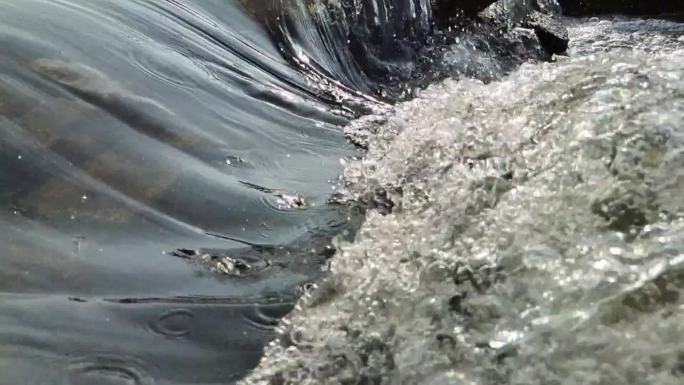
x,y
175,174
528,230
154,158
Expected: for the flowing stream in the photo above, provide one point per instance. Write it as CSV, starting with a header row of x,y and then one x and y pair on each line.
x,y
155,157
176,174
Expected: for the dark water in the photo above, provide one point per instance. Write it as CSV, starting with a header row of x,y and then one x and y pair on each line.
x,y
131,129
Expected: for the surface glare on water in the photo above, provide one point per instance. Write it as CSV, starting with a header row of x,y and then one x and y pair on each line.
x,y
536,232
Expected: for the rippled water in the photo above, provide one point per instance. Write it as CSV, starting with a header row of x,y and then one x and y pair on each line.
x,y
525,231
166,169
131,130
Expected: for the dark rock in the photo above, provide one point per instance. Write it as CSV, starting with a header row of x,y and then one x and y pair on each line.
x,y
514,12
552,35
626,207
225,262
444,11
632,7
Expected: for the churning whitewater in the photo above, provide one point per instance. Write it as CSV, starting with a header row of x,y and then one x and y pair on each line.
x,y
525,231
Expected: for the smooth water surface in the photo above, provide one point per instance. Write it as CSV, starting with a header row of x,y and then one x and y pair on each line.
x,y
130,130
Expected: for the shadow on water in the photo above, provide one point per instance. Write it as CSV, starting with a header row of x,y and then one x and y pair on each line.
x,y
138,244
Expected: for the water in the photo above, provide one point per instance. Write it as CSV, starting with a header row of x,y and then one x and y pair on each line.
x,y
130,130
166,168
525,231
170,185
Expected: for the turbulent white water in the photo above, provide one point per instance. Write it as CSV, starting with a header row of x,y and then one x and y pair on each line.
x,y
536,234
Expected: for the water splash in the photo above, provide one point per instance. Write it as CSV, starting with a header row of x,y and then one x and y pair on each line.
x,y
535,234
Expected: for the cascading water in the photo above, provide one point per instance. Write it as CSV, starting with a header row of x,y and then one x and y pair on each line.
x,y
527,231
167,167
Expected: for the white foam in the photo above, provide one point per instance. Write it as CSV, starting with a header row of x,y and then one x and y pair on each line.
x,y
499,262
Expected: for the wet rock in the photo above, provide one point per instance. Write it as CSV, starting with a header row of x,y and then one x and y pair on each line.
x,y
626,207
633,7
287,201
548,6
228,263
552,35
445,10
515,11
380,200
